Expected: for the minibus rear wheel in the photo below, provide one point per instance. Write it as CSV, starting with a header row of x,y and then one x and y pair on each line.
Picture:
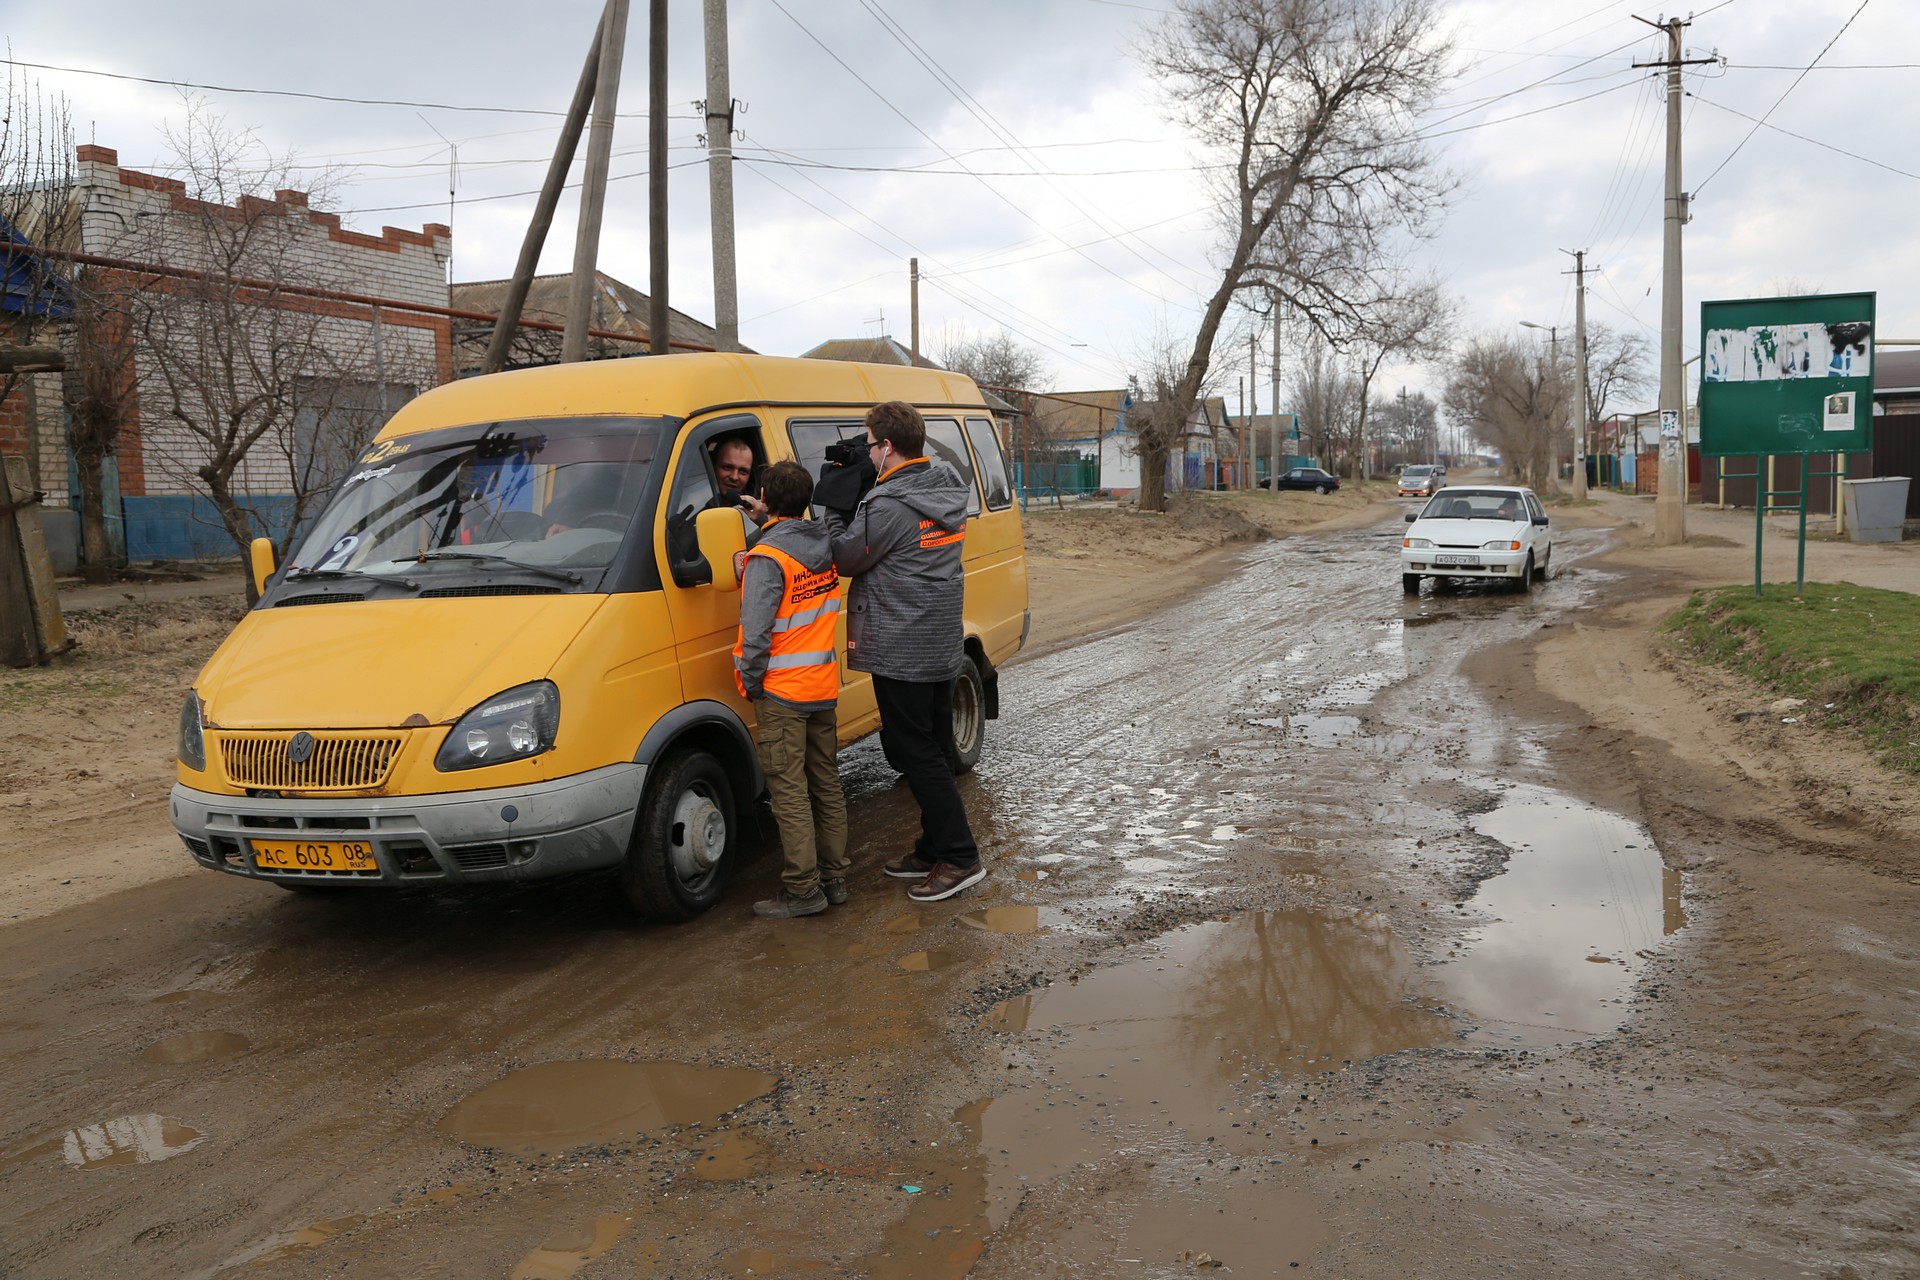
x,y
969,716
683,843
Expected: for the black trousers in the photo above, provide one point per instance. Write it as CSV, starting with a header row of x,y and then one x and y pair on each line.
x,y
916,730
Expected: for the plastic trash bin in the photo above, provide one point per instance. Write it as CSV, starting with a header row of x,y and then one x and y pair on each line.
x,y
1876,509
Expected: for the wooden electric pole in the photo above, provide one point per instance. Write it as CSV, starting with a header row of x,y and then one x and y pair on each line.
x,y
719,113
593,190
536,238
658,337
1579,373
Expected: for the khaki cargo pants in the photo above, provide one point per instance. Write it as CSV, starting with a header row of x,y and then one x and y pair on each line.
x,y
798,752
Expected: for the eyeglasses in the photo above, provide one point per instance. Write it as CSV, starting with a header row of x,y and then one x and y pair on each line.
x,y
875,444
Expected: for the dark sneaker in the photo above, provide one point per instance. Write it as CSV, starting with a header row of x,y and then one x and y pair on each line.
x,y
784,906
909,866
946,880
836,891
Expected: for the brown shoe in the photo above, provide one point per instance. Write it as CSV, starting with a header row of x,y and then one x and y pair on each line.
x,y
785,906
946,880
909,866
836,891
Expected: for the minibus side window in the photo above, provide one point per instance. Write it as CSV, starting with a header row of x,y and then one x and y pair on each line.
x,y
811,439
945,443
993,463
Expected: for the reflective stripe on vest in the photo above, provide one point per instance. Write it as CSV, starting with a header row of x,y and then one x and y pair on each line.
x,y
801,664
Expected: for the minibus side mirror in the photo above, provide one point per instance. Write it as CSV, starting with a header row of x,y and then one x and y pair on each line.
x,y
260,557
722,533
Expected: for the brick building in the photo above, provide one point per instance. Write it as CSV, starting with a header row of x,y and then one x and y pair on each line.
x,y
337,327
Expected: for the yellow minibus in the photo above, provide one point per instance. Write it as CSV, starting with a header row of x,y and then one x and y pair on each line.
x,y
503,651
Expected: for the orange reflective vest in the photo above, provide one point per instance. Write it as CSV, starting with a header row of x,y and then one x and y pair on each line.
x,y
801,664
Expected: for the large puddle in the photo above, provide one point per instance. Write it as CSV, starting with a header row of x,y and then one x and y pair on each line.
x,y
559,1105
1565,926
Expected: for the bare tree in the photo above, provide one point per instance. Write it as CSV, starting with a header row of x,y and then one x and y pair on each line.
x,y
993,359
100,402
1619,363
1312,103
1513,397
1411,324
1326,398
235,359
36,212
1409,427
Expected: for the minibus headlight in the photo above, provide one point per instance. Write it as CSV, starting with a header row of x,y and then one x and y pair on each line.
x,y
193,740
514,725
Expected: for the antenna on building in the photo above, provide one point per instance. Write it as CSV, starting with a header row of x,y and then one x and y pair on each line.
x,y
881,321
453,181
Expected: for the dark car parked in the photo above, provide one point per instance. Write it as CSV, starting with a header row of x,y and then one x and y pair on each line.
x,y
1303,478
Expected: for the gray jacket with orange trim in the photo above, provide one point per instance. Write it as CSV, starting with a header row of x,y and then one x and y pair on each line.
x,y
902,550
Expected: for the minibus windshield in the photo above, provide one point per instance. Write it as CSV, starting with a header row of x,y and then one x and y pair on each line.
x,y
552,498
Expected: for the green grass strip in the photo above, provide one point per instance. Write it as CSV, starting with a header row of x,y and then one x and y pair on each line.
x,y
1852,652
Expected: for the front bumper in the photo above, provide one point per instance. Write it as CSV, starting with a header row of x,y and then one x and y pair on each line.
x,y
1492,564
579,823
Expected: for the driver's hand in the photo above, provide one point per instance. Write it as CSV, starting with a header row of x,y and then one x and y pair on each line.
x,y
756,510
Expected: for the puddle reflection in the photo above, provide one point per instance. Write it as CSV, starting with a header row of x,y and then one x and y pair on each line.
x,y
1584,893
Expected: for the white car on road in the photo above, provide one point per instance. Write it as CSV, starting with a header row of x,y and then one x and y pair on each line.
x,y
1478,531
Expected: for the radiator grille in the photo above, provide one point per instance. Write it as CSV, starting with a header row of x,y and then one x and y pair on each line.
x,y
339,761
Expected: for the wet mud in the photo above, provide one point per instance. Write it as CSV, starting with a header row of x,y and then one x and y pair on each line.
x,y
1316,941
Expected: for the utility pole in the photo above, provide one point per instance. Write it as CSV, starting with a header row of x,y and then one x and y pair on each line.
x,y
1579,373
1670,504
593,189
1274,391
913,308
508,321
658,321
719,112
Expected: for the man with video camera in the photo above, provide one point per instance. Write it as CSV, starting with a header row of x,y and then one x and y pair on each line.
x,y
900,544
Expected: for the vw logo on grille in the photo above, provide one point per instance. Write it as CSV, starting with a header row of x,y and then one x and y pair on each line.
x,y
299,747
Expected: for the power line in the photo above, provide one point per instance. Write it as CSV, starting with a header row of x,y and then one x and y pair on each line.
x,y
1782,98
1854,155
312,97
868,85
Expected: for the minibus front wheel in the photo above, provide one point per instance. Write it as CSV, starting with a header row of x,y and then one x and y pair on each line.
x,y
682,845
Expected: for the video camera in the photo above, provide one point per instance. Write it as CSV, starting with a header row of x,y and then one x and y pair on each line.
x,y
846,473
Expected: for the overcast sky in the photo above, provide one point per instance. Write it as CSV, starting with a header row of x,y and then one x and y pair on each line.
x,y
881,130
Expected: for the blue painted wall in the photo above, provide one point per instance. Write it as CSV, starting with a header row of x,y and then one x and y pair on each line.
x,y
186,527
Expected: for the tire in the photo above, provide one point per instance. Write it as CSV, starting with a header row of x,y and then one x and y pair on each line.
x,y
1526,575
969,717
1410,583
684,838
1540,574
1319,488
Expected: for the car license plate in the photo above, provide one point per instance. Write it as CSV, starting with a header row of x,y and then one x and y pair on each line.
x,y
1457,560
313,855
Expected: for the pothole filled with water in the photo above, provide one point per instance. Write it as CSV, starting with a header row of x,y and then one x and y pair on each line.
x,y
559,1105
1583,896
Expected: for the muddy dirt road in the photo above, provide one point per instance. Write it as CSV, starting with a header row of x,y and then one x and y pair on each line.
x,y
1323,937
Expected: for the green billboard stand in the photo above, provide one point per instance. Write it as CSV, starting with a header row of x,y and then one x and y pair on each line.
x,y
1787,376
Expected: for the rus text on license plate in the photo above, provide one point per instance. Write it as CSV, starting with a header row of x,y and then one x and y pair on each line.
x,y
313,855
1457,560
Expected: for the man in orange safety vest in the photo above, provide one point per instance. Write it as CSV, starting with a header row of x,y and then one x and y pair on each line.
x,y
784,662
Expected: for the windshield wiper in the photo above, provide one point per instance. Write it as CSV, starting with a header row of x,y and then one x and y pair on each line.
x,y
564,575
301,575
